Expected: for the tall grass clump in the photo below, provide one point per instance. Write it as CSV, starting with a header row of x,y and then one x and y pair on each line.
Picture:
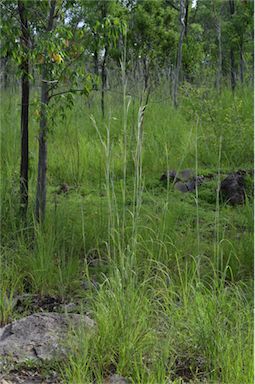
x,y
169,309
160,331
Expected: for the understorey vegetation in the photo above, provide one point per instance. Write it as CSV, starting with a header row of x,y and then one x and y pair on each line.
x,y
96,225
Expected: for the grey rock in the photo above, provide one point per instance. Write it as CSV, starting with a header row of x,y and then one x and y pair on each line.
x,y
180,186
190,185
174,176
185,175
38,336
184,181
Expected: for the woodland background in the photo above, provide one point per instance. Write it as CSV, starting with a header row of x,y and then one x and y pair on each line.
x,y
98,99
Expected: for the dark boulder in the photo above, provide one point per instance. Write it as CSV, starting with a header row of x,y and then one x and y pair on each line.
x,y
232,188
169,175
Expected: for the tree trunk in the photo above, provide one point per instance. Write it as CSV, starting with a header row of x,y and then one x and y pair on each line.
x,y
241,61
4,72
42,160
186,18
96,69
24,109
219,66
6,76
104,79
232,54
232,69
179,53
103,66
146,73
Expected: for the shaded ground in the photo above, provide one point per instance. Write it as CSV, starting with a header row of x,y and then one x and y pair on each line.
x,y
26,375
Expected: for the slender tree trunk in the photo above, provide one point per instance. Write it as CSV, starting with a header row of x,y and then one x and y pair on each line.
x,y
103,66
179,53
186,72
186,18
104,80
219,66
4,72
42,160
232,69
6,75
96,69
232,54
241,61
24,109
145,73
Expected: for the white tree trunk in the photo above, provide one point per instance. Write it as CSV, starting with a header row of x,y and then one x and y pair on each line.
x,y
179,53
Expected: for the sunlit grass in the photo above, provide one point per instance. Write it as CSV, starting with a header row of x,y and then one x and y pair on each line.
x,y
174,298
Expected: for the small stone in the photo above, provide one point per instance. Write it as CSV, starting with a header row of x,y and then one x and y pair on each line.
x,y
116,379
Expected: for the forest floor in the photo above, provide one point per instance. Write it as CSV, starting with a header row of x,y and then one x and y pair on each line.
x,y
166,276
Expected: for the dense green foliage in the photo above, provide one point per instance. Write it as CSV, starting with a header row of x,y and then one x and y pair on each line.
x,y
180,295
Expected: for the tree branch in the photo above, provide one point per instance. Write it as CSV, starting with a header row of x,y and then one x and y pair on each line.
x,y
63,92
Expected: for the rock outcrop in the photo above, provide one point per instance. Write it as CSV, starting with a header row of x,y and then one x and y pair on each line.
x,y
184,181
232,188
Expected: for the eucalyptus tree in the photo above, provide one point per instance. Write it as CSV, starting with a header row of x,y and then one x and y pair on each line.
x,y
232,56
105,24
16,43
45,86
152,37
25,43
218,27
227,38
239,31
182,18
59,48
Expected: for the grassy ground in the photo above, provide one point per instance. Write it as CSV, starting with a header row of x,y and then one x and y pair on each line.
x,y
173,294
